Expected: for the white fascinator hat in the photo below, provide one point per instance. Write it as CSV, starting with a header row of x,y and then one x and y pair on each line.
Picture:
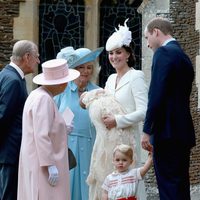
x,y
121,37
55,72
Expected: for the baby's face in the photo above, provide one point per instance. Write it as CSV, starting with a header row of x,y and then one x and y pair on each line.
x,y
121,161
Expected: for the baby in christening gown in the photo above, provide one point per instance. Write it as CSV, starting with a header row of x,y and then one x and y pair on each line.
x,y
100,102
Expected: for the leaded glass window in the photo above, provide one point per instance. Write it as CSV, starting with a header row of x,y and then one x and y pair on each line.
x,y
113,13
61,25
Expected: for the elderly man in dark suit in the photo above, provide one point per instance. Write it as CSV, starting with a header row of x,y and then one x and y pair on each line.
x,y
13,93
168,119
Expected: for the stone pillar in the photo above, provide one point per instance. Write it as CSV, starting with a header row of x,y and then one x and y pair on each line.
x,y
91,24
150,9
91,39
26,27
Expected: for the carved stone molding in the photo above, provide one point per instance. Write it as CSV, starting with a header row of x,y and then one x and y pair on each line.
x,y
142,6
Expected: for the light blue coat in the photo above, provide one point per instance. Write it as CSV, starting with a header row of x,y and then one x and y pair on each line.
x,y
80,140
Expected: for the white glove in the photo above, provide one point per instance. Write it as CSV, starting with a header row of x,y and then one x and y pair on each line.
x,y
70,128
53,175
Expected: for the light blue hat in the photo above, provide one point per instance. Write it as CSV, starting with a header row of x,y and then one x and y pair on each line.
x,y
79,56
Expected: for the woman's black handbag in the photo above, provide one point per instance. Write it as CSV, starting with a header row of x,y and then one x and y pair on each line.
x,y
72,159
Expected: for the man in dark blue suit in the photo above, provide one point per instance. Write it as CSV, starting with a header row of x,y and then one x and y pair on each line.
x,y
13,93
168,127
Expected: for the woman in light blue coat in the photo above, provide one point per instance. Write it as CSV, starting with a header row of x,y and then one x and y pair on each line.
x,y
82,137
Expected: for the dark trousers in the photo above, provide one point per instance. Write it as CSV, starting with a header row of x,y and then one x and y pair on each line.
x,y
8,181
171,164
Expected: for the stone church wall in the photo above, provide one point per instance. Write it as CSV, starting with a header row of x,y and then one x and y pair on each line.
x,y
183,16
8,10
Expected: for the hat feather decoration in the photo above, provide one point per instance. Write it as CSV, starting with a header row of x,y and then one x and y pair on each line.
x,y
125,34
120,37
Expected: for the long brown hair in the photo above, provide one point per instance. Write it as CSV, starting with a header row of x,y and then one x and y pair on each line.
x,y
131,59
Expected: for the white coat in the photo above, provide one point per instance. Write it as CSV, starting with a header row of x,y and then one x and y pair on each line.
x,y
131,93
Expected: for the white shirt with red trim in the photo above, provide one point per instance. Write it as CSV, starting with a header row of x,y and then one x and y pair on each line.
x,y
120,185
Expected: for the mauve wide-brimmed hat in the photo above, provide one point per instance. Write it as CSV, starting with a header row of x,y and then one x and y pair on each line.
x,y
79,56
55,72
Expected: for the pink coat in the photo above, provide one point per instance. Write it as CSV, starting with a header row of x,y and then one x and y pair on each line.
x,y
44,143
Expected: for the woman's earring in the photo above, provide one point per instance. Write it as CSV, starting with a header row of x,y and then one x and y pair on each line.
x,y
127,60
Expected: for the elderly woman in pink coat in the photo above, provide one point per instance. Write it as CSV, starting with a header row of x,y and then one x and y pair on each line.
x,y
43,163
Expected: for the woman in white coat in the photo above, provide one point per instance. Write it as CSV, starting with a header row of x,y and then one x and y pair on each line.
x,y
43,163
129,88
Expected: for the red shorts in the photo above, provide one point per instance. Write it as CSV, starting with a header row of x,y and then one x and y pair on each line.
x,y
128,198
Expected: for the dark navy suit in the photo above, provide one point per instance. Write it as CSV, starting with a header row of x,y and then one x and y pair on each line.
x,y
169,122
13,94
